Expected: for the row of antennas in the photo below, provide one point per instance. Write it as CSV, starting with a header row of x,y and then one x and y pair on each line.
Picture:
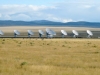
x,y
30,33
50,33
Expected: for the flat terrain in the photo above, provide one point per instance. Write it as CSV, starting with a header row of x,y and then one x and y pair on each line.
x,y
49,56
36,28
8,31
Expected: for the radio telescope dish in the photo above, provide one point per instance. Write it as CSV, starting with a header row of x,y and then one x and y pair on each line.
x,y
1,32
30,33
40,33
90,34
50,33
63,32
16,32
75,33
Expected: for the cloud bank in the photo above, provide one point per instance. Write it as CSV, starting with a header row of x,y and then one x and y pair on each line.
x,y
63,12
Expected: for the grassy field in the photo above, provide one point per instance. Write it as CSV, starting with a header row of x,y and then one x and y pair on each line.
x,y
49,57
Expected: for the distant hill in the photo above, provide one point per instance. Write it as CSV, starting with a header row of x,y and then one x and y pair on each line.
x,y
48,23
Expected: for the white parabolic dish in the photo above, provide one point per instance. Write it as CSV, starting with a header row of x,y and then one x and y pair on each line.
x,y
75,32
1,33
41,32
63,32
30,32
16,32
89,32
50,32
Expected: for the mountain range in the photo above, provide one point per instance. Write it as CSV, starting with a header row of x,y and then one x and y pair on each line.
x,y
48,23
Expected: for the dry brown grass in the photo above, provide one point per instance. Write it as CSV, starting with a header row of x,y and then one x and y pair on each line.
x,y
49,57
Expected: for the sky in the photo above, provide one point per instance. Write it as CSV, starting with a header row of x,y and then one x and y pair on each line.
x,y
53,10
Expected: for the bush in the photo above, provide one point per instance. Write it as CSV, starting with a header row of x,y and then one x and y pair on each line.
x,y
22,64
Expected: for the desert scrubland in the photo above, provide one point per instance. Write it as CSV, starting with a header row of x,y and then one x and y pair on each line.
x,y
49,56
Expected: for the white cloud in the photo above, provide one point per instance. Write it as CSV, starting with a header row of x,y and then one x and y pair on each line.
x,y
53,18
25,12
22,17
7,17
37,8
63,12
67,20
87,6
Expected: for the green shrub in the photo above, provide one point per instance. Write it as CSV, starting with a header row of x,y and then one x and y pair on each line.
x,y
22,64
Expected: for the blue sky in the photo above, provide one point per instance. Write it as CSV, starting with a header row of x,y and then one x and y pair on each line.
x,y
28,2
54,10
